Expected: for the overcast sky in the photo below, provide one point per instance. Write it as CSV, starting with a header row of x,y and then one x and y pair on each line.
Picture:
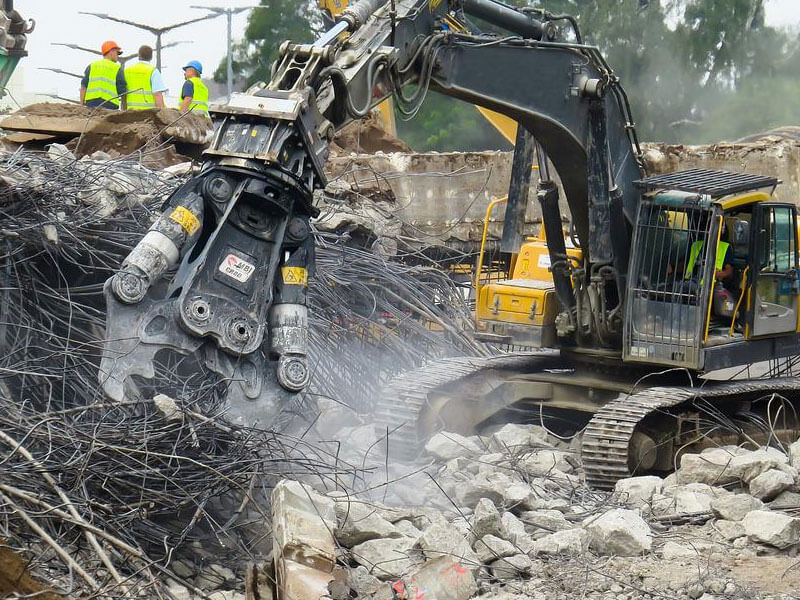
x,y
60,21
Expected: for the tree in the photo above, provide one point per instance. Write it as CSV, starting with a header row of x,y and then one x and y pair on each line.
x,y
267,28
695,70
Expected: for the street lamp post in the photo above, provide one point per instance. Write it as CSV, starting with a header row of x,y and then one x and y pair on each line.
x,y
228,12
122,59
156,31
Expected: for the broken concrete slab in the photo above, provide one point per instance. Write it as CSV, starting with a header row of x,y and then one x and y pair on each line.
x,y
387,558
303,521
511,567
547,462
619,532
769,484
771,528
442,578
446,445
730,530
301,582
547,520
486,520
719,466
490,548
515,532
569,541
734,507
513,438
442,539
674,550
359,521
786,500
637,491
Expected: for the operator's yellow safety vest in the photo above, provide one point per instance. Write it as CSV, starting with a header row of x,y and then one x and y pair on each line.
x,y
200,97
140,87
103,81
694,253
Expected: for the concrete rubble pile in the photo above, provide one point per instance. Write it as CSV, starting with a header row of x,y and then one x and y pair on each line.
x,y
507,515
160,137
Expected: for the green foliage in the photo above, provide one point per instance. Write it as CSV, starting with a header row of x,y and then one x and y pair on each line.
x,y
695,70
267,28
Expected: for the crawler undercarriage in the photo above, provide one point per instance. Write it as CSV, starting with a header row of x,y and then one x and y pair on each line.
x,y
630,422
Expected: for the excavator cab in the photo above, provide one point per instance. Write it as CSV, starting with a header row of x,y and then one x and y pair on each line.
x,y
692,227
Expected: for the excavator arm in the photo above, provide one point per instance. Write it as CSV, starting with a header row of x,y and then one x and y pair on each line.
x,y
222,274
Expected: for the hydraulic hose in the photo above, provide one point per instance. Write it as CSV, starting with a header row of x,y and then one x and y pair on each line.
x,y
505,16
357,14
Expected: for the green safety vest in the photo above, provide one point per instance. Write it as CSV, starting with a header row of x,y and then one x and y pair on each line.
x,y
103,81
140,87
694,253
200,97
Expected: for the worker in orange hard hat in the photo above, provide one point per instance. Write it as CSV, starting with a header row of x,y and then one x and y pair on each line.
x,y
103,84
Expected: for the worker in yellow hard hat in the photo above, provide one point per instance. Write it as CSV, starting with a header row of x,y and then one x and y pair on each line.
x,y
194,94
145,84
103,84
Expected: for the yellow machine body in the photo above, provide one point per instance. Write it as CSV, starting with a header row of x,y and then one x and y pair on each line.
x,y
522,309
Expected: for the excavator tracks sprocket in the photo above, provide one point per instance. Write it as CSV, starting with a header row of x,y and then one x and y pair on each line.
x,y
607,437
403,401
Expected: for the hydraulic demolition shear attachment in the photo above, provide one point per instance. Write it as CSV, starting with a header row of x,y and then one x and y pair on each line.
x,y
222,274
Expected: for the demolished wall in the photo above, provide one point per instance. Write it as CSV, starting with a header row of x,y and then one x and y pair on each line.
x,y
442,197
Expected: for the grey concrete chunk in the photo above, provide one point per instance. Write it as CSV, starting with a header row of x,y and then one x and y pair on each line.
x,y
730,530
441,539
794,454
514,438
407,528
511,567
620,532
546,462
549,520
490,548
303,522
515,532
773,529
301,582
447,446
769,484
358,521
387,558
735,507
675,550
491,485
442,578
569,541
637,491
785,500
486,519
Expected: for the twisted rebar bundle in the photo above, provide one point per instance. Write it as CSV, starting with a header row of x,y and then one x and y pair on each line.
x,y
106,492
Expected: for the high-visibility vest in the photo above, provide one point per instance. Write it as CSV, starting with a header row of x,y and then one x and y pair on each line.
x,y
103,81
694,253
140,87
200,97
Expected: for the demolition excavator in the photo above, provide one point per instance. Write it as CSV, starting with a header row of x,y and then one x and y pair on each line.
x,y
662,280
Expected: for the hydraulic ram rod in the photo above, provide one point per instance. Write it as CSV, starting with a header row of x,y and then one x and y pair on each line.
x,y
504,16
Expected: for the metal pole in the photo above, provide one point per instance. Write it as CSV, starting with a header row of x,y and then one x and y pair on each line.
x,y
158,51
229,13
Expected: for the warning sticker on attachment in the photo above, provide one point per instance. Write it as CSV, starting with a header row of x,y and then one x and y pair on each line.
x,y
184,217
294,275
237,268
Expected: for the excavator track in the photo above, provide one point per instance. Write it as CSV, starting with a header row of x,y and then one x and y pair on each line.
x,y
608,435
404,399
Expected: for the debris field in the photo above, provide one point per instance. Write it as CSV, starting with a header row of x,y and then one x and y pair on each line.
x,y
165,498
